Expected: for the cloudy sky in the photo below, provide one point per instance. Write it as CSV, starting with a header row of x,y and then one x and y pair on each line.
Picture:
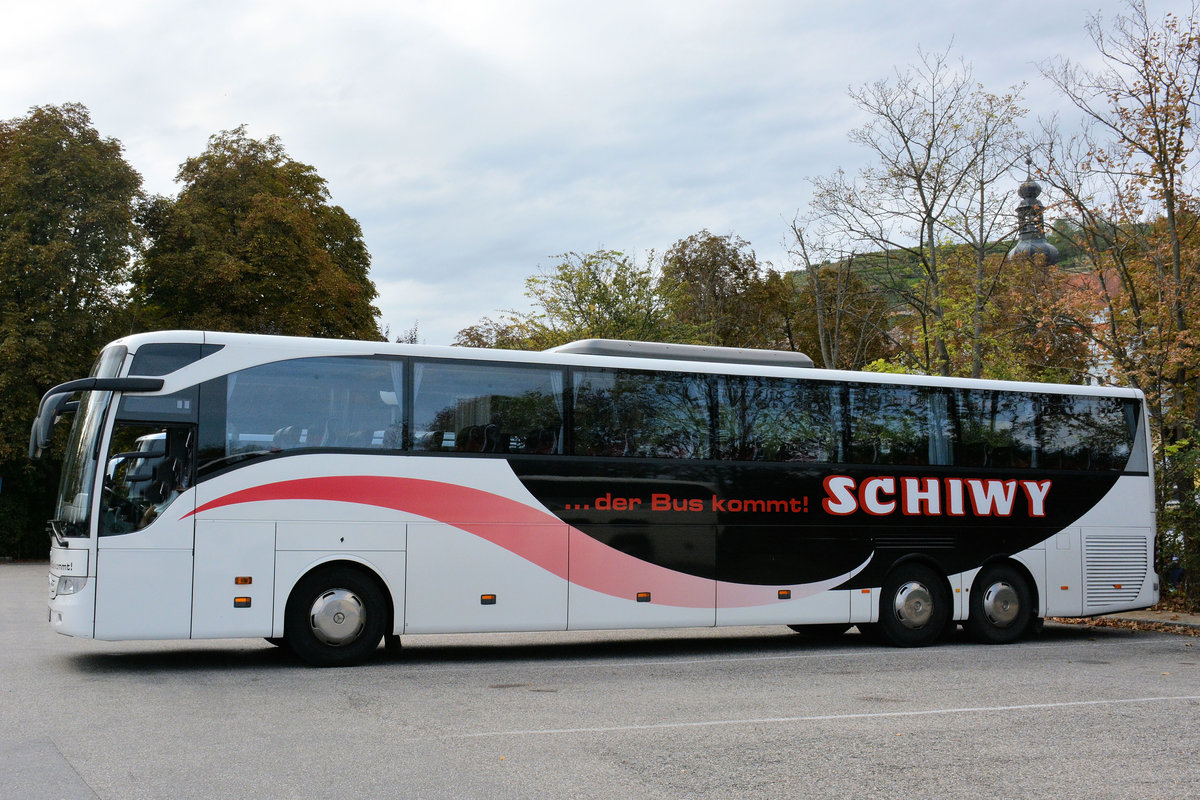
x,y
475,140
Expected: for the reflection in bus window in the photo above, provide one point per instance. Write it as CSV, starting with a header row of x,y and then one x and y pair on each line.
x,y
1087,433
774,419
333,403
997,429
641,414
358,403
470,407
904,425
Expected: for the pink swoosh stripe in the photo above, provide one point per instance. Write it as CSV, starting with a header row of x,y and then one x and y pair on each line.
x,y
524,533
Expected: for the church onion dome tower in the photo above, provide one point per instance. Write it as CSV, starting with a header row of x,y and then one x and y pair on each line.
x,y
1031,232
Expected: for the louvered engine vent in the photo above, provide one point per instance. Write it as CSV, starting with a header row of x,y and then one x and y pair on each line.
x,y
1114,567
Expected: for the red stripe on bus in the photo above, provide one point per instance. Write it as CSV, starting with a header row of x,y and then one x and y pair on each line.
x,y
596,565
459,506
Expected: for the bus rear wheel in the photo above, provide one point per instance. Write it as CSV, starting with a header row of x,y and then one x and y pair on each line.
x,y
335,617
1001,606
914,606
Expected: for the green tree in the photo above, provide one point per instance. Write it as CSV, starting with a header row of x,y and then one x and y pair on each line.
x,y
67,235
939,144
980,217
252,243
717,285
600,295
837,318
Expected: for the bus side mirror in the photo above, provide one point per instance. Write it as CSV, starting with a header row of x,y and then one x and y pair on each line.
x,y
57,402
43,426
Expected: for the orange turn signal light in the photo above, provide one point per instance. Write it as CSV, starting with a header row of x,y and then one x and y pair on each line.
x,y
643,597
487,599
241,602
245,580
785,594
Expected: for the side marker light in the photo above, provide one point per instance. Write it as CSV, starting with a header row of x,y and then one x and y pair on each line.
x,y
487,599
643,597
243,581
785,594
241,602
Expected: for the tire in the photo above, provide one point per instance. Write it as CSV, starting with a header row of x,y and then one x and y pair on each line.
x,y
277,641
335,617
826,632
914,606
1001,606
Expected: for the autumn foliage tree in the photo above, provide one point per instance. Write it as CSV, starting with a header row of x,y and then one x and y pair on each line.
x,y
1004,320
917,135
706,289
1125,183
717,285
253,244
836,317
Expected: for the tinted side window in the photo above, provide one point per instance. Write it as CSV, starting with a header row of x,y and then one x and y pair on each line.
x,y
473,407
148,467
996,429
896,425
164,358
1088,433
641,414
772,419
343,403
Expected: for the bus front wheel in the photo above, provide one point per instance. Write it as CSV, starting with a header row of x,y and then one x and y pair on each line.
x,y
914,606
335,617
1001,606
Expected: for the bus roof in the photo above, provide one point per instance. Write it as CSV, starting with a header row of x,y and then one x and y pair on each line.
x,y
242,350
685,352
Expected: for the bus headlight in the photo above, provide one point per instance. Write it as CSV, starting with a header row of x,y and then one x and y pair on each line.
x,y
68,584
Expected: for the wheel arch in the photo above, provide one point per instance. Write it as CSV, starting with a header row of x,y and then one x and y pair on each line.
x,y
924,560
368,570
1021,568
891,625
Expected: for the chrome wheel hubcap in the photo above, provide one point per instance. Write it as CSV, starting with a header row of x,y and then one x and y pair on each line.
x,y
1001,604
914,605
337,617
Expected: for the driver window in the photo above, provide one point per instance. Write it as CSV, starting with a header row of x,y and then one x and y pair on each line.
x,y
148,467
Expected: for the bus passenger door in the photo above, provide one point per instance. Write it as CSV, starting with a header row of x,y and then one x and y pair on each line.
x,y
494,577
234,575
144,552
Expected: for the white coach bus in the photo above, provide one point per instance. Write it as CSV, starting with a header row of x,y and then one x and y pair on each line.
x,y
331,494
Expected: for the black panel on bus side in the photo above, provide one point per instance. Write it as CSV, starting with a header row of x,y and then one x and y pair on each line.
x,y
767,524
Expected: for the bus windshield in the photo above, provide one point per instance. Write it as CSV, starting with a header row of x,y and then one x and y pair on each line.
x,y
73,511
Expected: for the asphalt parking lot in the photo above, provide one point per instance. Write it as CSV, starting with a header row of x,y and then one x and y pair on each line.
x,y
740,712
